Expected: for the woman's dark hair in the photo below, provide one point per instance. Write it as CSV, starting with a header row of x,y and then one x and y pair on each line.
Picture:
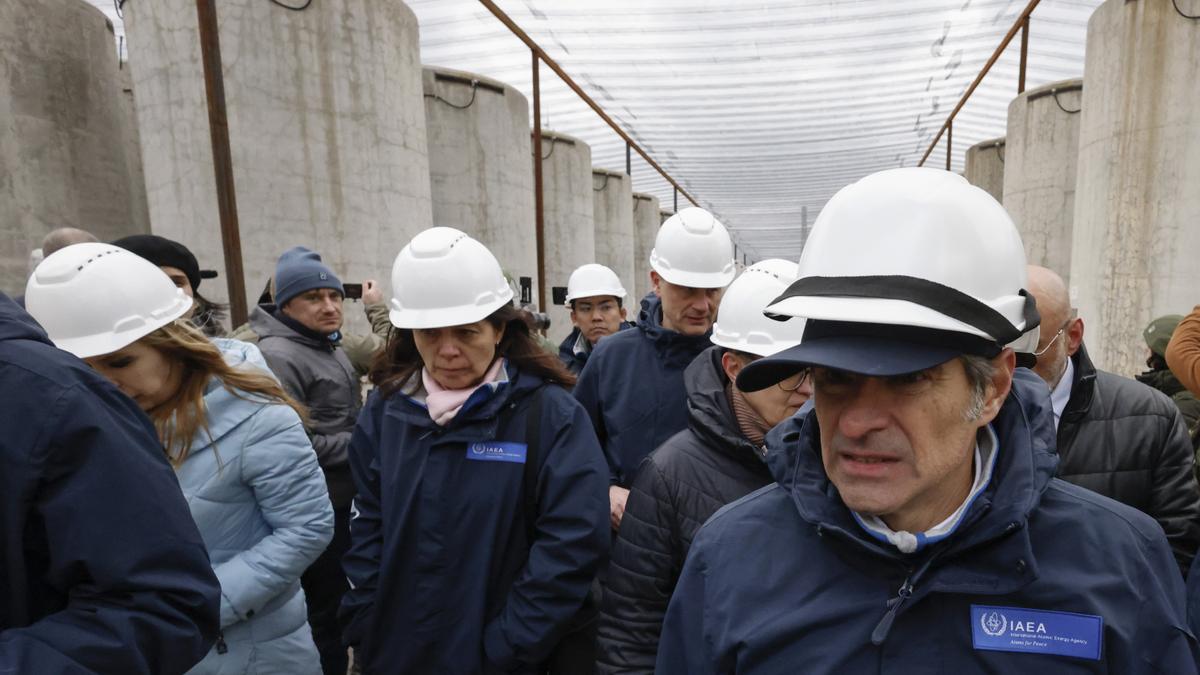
x,y
400,360
209,316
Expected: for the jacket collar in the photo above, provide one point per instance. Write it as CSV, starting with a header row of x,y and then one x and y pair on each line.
x,y
16,324
1163,380
575,347
1083,387
675,349
480,411
1024,468
710,415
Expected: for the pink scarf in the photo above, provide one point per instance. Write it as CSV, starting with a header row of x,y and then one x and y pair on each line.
x,y
444,404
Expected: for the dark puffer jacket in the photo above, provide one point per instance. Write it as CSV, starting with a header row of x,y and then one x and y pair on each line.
x,y
1189,406
632,389
1128,442
678,486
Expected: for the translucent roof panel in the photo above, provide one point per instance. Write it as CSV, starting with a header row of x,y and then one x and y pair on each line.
x,y
762,109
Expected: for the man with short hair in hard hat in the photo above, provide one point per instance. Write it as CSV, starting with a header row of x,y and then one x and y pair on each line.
x,y
596,298
915,524
1116,436
299,336
718,459
1158,336
632,385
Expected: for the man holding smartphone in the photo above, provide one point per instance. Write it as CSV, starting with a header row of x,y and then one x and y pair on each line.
x,y
300,337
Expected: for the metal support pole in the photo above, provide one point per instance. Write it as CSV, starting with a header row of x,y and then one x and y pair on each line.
x,y
539,211
676,200
949,143
628,159
1024,56
218,125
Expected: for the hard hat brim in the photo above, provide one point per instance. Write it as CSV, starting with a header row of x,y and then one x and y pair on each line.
x,y
863,355
697,279
415,319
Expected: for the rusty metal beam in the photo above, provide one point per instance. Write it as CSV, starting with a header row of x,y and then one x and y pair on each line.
x,y
949,144
1024,56
218,124
539,209
549,61
1012,32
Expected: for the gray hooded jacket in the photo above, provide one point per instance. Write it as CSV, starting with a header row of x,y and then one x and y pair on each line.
x,y
319,375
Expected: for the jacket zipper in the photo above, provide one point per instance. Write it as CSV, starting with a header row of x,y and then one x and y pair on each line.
x,y
879,635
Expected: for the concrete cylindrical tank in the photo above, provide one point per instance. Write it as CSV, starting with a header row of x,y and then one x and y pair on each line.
x,y
326,126
1137,205
646,221
480,177
612,205
568,218
139,210
63,159
985,167
1042,149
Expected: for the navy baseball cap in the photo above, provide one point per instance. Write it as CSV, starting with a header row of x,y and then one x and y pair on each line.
x,y
875,350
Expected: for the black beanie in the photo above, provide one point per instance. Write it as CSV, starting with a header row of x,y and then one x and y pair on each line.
x,y
165,253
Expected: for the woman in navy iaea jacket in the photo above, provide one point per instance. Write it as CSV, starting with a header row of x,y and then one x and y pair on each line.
x,y
482,508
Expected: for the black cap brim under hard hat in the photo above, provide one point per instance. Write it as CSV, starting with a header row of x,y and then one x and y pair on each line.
x,y
873,350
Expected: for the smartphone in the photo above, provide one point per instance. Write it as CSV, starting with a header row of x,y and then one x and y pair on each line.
x,y
352,291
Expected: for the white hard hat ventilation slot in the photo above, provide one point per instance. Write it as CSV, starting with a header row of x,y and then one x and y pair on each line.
x,y
940,298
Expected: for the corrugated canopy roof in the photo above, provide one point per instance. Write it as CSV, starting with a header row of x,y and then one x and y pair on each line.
x,y
763,109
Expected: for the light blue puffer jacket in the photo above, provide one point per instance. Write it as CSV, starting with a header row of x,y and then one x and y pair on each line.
x,y
259,499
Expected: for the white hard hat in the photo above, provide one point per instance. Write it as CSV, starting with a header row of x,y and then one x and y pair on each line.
x,y
904,270
591,280
741,324
95,298
693,249
913,247
445,278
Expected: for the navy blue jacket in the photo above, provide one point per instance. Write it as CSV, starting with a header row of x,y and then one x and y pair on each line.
x,y
785,576
632,388
575,361
444,579
101,567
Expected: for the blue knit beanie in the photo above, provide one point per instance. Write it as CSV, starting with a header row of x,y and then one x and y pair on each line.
x,y
300,270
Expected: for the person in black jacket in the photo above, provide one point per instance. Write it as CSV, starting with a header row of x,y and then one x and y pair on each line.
x,y
1116,436
718,459
102,569
632,385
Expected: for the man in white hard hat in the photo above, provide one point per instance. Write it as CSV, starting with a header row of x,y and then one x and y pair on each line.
x,y
632,385
718,459
915,524
596,299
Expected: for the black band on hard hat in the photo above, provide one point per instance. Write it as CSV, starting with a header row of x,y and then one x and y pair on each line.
x,y
938,297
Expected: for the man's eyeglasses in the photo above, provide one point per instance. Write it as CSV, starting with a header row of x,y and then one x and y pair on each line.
x,y
1054,339
795,381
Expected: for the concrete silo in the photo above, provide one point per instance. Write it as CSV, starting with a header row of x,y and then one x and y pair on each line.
x,y
612,204
63,160
985,167
1039,178
326,125
568,217
1137,206
646,221
481,181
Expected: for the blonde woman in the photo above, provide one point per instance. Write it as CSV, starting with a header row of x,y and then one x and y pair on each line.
x,y
235,438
